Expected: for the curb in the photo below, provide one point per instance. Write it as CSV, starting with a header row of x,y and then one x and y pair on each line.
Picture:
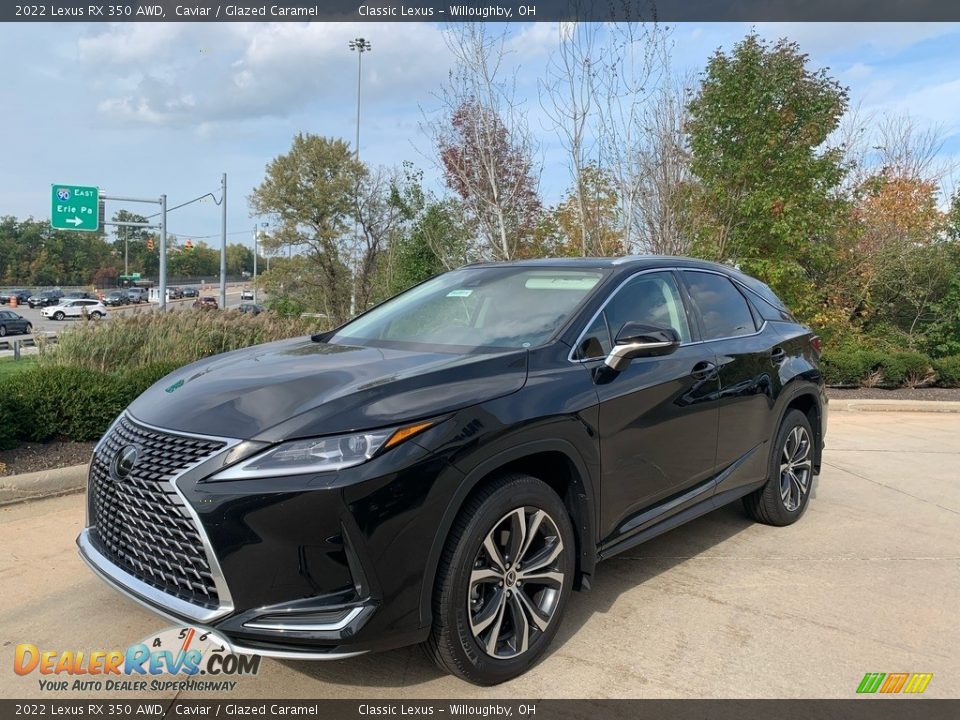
x,y
924,406
43,483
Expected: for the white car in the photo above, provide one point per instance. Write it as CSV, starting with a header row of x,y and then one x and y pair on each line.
x,y
246,294
93,309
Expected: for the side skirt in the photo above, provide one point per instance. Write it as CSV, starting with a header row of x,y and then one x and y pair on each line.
x,y
694,511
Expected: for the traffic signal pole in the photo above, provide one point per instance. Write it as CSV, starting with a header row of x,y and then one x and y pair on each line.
x,y
162,202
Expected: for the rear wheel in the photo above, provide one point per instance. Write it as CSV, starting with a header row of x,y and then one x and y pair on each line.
x,y
503,581
58,315
3,330
783,499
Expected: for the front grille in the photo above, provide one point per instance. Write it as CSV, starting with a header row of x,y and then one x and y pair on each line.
x,y
140,522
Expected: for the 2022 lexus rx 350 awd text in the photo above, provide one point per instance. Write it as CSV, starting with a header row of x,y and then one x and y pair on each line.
x,y
447,467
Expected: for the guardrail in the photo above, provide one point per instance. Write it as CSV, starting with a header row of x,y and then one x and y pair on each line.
x,y
16,345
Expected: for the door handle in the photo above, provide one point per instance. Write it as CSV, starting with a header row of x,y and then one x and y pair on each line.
x,y
778,355
703,370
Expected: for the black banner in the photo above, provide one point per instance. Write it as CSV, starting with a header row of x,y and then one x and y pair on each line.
x,y
477,10
856,709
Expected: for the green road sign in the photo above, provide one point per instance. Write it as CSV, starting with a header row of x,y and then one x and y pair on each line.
x,y
74,207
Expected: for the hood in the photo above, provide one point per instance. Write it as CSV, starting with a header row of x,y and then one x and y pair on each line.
x,y
300,388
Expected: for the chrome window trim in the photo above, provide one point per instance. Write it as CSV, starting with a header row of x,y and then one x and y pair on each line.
x,y
573,351
129,584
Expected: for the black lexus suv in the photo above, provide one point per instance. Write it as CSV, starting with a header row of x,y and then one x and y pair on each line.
x,y
447,467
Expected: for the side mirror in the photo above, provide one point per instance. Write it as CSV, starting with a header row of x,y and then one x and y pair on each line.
x,y
637,340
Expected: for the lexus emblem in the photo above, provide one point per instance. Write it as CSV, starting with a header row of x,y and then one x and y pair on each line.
x,y
124,461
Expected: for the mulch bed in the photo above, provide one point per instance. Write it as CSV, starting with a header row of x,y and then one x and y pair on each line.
x,y
894,394
44,456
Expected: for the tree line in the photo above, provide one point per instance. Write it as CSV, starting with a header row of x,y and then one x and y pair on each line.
x,y
758,162
34,255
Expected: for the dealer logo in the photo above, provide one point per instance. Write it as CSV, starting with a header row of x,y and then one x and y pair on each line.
x,y
124,461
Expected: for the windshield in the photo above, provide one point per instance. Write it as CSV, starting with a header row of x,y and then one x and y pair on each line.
x,y
501,307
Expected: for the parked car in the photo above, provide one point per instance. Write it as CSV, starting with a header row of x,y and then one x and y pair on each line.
x,y
117,297
79,295
206,303
12,323
23,296
45,298
191,292
447,467
175,293
138,295
246,294
94,309
251,308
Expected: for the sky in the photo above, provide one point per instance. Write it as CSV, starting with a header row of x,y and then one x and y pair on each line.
x,y
145,109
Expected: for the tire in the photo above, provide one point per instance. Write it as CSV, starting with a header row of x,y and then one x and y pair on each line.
x,y
28,328
784,497
58,315
96,315
3,330
491,650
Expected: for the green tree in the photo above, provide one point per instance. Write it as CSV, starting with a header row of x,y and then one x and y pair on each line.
x,y
239,259
310,193
758,128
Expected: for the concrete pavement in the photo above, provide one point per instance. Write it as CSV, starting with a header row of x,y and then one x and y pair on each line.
x,y
867,581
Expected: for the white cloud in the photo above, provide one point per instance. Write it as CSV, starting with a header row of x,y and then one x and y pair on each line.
x,y
237,71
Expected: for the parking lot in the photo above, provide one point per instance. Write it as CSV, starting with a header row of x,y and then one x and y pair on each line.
x,y
46,325
868,581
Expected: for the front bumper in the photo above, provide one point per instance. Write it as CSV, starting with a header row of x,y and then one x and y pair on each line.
x,y
309,567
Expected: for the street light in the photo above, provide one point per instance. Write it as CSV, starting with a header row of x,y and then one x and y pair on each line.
x,y
360,46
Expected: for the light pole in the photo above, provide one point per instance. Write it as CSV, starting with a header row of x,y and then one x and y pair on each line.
x,y
256,235
360,46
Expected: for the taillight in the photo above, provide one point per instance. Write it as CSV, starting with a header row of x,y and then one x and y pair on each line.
x,y
817,343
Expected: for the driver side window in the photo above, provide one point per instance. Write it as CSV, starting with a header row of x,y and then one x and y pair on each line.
x,y
649,298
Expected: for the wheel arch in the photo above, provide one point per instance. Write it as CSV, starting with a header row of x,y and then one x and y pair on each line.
x,y
805,397
557,463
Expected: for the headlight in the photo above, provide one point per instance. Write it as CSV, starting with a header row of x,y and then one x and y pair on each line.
x,y
325,454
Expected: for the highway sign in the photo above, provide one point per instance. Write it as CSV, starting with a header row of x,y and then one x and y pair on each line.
x,y
75,207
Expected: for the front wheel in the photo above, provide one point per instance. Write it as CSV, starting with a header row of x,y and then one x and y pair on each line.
x,y
58,315
27,329
3,330
503,581
96,315
783,499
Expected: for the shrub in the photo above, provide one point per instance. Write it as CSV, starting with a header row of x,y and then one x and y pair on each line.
x,y
948,371
72,403
905,368
51,402
8,424
844,366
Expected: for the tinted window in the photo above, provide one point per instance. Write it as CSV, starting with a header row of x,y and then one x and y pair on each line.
x,y
595,342
724,310
650,298
509,306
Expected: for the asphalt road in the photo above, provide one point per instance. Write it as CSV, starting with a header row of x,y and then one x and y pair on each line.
x,y
868,581
42,324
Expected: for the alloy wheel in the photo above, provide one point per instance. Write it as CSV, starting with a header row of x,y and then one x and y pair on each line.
x,y
515,582
796,467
